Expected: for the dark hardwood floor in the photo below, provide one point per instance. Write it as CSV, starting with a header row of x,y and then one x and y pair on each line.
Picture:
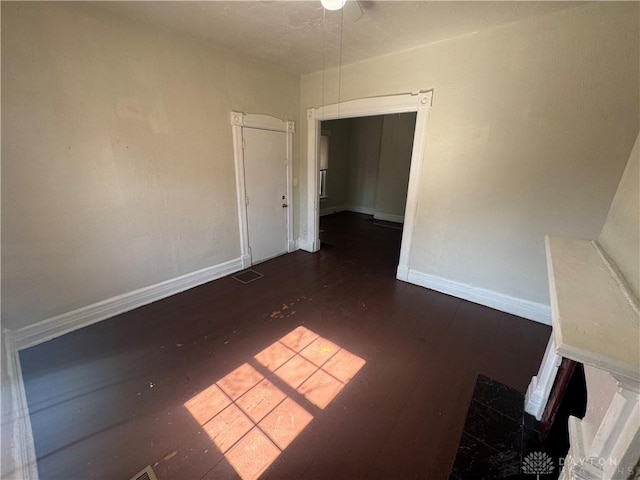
x,y
111,398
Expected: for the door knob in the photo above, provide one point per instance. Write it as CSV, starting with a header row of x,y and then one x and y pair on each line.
x,y
284,205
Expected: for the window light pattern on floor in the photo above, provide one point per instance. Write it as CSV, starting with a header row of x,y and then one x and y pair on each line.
x,y
250,419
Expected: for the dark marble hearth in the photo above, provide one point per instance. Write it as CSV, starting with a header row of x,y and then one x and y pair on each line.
x,y
498,435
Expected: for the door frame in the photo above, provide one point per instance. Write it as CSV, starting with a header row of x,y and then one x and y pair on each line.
x,y
363,107
239,121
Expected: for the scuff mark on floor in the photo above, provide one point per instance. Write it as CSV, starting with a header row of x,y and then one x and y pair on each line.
x,y
171,455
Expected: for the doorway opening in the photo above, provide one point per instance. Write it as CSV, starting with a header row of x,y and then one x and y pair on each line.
x,y
420,104
364,176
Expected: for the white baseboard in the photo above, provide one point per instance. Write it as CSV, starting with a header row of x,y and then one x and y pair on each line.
x,y
388,217
22,447
330,210
534,402
306,245
537,312
359,209
402,273
82,317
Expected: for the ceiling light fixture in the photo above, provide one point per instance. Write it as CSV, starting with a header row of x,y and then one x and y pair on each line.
x,y
333,4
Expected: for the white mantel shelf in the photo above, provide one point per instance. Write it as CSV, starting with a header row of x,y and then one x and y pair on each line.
x,y
596,320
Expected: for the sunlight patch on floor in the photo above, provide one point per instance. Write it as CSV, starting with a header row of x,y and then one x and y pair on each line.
x,y
251,420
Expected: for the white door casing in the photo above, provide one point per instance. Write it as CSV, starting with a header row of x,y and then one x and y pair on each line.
x,y
279,137
419,103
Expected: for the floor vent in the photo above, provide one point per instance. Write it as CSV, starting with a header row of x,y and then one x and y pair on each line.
x,y
247,276
146,474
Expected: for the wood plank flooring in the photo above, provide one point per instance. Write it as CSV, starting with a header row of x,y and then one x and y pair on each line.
x,y
110,399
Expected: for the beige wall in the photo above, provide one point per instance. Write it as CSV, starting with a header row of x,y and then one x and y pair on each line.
x,y
364,158
395,162
117,160
620,236
531,126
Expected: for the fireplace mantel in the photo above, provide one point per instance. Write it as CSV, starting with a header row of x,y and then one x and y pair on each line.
x,y
596,321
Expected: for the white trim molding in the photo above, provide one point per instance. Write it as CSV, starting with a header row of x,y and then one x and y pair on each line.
x,y
388,217
261,122
23,453
537,312
22,448
291,129
237,120
303,244
363,107
613,450
330,210
245,260
68,322
359,209
539,389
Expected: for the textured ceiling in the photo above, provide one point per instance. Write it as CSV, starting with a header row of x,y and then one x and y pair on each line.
x,y
296,36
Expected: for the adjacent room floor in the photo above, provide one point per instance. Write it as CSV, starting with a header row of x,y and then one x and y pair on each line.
x,y
326,367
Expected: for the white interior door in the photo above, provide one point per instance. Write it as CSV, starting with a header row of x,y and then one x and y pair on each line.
x,y
265,173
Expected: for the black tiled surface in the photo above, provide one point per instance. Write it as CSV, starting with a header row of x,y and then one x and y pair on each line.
x,y
530,422
477,460
505,400
493,428
497,435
